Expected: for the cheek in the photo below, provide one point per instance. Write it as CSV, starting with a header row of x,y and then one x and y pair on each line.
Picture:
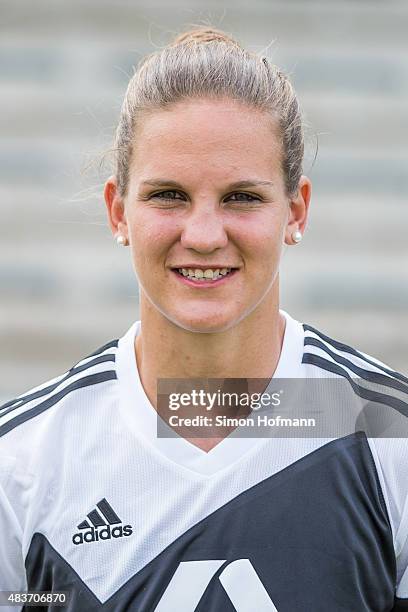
x,y
262,237
151,237
149,228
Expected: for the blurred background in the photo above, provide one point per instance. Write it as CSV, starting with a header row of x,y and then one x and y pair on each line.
x,y
66,288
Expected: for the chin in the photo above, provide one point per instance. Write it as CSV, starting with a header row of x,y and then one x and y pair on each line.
x,y
205,323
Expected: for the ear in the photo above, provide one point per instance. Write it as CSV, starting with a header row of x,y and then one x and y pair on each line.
x,y
299,208
116,208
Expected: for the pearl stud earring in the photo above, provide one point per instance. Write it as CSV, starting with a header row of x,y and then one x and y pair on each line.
x,y
297,236
121,240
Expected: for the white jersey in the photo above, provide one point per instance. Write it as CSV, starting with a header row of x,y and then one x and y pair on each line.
x,y
93,503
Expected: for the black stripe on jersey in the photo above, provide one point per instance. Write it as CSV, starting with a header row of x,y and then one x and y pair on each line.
x,y
108,512
20,401
375,377
105,347
86,381
349,349
369,394
400,605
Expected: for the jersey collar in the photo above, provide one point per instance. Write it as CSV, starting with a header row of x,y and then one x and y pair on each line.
x,y
141,417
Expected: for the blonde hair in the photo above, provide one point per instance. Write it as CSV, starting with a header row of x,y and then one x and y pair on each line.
x,y
208,63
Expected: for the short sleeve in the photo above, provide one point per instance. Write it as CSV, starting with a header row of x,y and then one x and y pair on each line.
x,y
402,562
391,458
12,570
401,599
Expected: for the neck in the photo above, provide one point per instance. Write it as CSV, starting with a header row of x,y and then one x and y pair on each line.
x,y
250,349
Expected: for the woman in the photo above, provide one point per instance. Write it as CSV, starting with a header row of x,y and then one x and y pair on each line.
x,y
208,189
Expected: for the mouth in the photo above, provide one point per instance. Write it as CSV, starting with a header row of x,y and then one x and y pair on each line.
x,y
204,277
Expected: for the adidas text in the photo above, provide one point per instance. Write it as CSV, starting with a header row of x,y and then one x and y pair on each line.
x,y
106,533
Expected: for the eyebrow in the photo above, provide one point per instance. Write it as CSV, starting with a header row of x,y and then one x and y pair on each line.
x,y
237,185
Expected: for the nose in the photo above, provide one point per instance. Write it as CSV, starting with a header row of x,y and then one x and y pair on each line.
x,y
204,230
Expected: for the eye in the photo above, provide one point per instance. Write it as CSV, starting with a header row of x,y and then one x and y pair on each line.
x,y
174,196
243,197
167,195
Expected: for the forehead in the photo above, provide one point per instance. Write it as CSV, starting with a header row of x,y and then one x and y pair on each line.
x,y
200,136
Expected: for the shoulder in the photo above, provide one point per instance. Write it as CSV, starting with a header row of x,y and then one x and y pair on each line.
x,y
381,394
337,357
371,379
380,391
28,412
43,431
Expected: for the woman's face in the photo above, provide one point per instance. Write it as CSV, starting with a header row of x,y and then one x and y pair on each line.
x,y
206,192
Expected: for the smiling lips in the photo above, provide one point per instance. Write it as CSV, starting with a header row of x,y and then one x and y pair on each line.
x,y
200,275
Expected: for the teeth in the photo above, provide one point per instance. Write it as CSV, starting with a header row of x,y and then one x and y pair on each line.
x,y
204,275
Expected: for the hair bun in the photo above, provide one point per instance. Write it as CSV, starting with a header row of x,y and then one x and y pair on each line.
x,y
203,34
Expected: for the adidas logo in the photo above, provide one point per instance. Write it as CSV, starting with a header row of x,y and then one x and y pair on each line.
x,y
100,525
